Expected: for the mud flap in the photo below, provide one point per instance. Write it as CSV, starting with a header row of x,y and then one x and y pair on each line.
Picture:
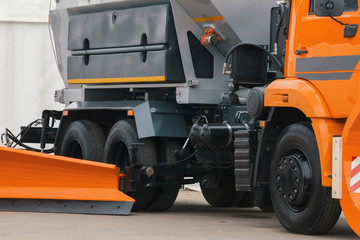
x,y
350,201
46,183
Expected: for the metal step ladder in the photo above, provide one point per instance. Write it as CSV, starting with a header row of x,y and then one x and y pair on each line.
x,y
242,161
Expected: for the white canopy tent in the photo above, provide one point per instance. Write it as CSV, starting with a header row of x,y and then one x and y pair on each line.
x,y
28,72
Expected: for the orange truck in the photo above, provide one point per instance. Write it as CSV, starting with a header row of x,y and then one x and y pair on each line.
x,y
320,81
277,126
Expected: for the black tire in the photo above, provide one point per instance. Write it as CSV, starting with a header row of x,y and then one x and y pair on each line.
x,y
164,197
124,148
83,139
225,195
301,203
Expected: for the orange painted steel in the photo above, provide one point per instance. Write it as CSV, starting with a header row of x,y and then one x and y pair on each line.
x,y
350,202
333,105
325,129
300,94
30,175
304,96
323,37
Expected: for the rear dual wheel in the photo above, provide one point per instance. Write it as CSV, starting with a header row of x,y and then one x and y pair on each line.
x,y
164,197
124,148
84,139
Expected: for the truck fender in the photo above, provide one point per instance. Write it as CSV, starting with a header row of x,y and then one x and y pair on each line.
x,y
160,119
297,93
302,95
153,118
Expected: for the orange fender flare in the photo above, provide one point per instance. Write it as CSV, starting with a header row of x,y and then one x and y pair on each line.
x,y
297,93
301,94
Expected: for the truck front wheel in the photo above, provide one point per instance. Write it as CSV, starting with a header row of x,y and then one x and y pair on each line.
x,y
301,203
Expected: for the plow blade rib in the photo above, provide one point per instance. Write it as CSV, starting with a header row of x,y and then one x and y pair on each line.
x,y
46,183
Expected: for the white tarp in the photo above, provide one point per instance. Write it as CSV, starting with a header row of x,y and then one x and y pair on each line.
x,y
25,10
28,73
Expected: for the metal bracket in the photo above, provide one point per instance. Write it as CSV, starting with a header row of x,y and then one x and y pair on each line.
x,y
337,167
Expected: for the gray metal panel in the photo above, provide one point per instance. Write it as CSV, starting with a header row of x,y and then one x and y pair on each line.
x,y
143,119
102,105
153,118
324,64
59,25
103,33
326,76
66,206
160,119
250,19
86,6
205,9
60,22
130,24
199,90
117,66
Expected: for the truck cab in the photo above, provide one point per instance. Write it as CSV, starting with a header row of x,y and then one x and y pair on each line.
x,y
320,81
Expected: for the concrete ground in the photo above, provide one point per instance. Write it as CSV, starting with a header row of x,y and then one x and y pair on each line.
x,y
190,218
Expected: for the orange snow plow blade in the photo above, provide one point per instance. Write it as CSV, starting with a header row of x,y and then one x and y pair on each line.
x,y
46,183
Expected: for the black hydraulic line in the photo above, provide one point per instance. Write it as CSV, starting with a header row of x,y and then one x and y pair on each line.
x,y
15,141
45,125
21,144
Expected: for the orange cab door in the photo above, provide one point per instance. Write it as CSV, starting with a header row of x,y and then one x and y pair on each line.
x,y
319,52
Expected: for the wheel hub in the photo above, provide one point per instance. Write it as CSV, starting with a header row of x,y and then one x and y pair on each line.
x,y
293,180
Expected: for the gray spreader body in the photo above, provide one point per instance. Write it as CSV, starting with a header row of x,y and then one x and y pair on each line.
x,y
109,48
119,25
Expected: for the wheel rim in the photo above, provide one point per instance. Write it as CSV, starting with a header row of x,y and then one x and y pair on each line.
x,y
294,179
75,150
